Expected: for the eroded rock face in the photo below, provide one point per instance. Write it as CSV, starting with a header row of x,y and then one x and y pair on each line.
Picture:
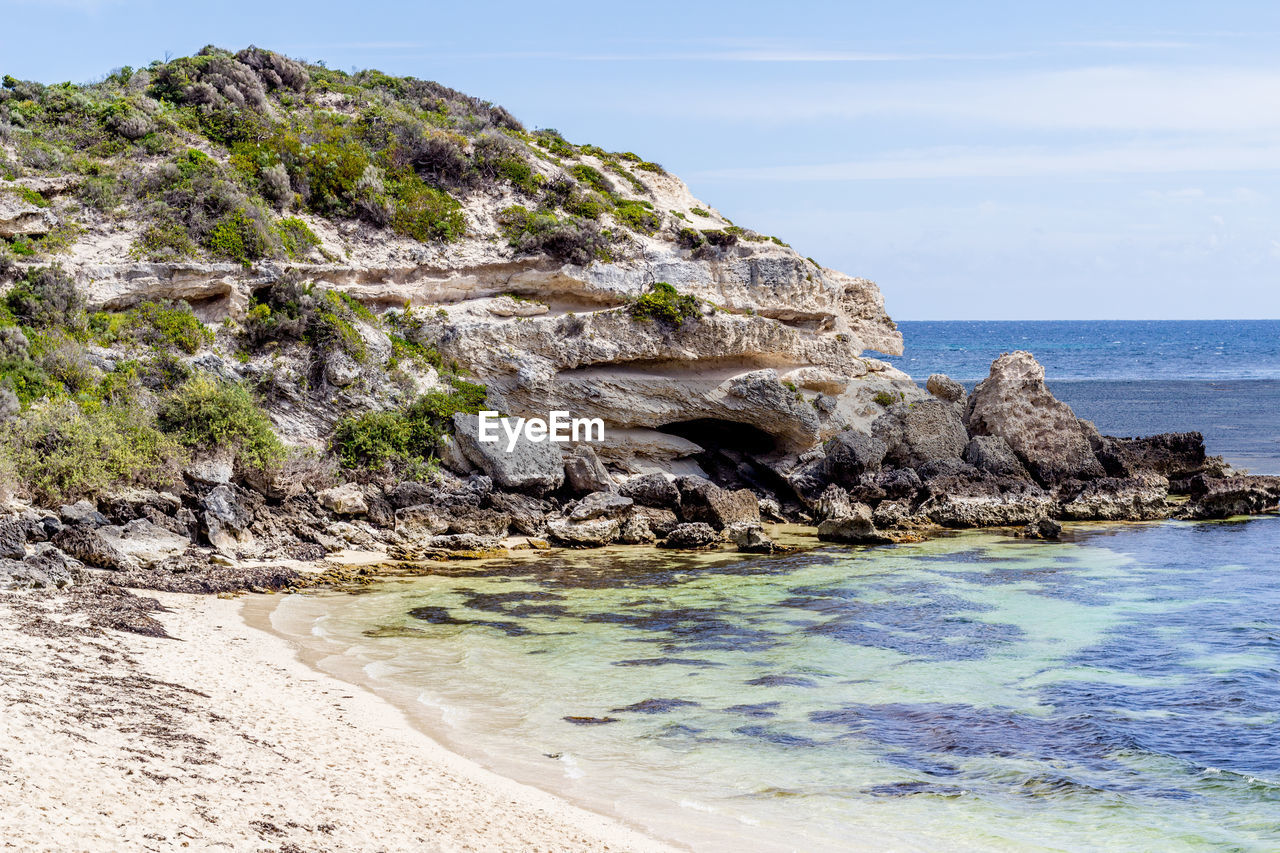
x,y
1243,495
992,454
945,388
584,472
1140,498
20,218
854,528
915,434
1014,403
347,499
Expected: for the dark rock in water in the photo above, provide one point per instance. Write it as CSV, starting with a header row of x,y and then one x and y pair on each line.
x,y
652,490
13,539
591,721
1172,454
1223,498
82,513
891,515
654,706
1140,498
704,501
85,545
834,502
584,472
691,536
1014,403
992,454
909,789
1045,528
921,432
856,528
945,388
635,530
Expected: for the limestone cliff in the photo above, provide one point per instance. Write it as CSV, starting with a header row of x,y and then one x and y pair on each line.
x,y
523,262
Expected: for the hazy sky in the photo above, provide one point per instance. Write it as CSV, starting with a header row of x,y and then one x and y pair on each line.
x,y
977,159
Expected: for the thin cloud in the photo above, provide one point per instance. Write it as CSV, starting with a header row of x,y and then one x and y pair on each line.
x,y
1022,163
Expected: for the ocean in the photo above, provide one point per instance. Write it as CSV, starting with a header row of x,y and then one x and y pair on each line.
x,y
1118,690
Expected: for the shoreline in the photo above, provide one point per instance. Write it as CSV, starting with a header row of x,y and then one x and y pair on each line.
x,y
221,736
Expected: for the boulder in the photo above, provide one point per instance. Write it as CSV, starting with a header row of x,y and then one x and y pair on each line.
x,y
1140,498
704,501
600,505
897,483
1174,455
452,457
834,502
992,454
13,539
850,455
584,472
945,388
45,570
347,499
989,507
750,538
691,536
226,520
536,467
659,521
635,530
856,528
86,545
82,514
653,490
21,218
528,514
145,543
1014,403
918,433
592,533
482,522
420,522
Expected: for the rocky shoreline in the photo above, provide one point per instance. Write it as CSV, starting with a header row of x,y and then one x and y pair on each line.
x,y
1009,455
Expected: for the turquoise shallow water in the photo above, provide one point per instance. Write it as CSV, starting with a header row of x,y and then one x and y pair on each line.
x,y
1117,691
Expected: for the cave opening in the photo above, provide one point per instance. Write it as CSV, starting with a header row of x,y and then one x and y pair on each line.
x,y
734,455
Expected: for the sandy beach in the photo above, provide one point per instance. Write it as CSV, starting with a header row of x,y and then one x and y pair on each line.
x,y
218,737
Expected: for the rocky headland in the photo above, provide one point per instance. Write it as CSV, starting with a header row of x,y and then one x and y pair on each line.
x,y
253,307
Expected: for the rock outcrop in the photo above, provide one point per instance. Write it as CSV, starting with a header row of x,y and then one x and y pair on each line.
x,y
1015,404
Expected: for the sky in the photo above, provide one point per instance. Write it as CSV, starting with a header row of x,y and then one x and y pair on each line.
x,y
978,160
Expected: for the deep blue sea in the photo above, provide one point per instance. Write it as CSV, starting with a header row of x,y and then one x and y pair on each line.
x,y
1219,377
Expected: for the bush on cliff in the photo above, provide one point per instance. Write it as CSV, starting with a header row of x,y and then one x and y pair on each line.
x,y
209,413
664,304
46,297
60,452
405,441
573,240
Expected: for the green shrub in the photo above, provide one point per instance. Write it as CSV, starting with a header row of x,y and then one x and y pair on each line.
x,y
700,212
664,304
297,239
166,325
210,413
405,440
638,216
63,453
573,240
425,213
240,237
884,398
591,175
46,297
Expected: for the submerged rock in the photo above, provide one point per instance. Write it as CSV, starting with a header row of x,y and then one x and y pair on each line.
x,y
1045,528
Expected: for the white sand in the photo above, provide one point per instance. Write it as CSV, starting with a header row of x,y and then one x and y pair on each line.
x,y
105,744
